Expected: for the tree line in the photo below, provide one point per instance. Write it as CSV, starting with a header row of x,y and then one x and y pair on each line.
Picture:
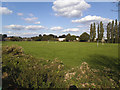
x,y
112,32
67,38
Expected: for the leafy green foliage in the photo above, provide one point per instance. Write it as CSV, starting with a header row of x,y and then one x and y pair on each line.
x,y
36,38
27,72
98,32
119,32
13,38
3,36
101,30
94,32
45,37
91,32
108,32
84,37
112,32
116,32
70,37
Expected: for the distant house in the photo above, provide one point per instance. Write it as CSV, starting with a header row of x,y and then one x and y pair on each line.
x,y
8,38
61,39
27,39
77,39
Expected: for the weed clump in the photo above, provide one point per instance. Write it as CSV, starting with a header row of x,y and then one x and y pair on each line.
x,y
14,50
86,77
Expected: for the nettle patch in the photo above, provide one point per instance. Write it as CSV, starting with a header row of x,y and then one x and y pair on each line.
x,y
24,71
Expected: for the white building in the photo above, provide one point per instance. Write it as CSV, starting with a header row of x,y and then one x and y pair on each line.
x,y
77,39
61,39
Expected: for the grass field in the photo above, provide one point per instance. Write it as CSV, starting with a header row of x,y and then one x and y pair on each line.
x,y
72,53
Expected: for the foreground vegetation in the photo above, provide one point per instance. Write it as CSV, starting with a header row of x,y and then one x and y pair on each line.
x,y
21,70
24,71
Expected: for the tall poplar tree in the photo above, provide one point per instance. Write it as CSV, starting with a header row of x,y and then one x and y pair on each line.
x,y
91,32
101,30
98,32
112,32
116,32
119,32
108,32
94,32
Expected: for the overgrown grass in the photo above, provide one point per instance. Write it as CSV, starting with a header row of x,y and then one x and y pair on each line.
x,y
25,71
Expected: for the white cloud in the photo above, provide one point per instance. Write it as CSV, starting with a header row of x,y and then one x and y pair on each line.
x,y
9,33
56,28
15,27
31,14
20,14
49,33
22,27
70,8
37,22
91,19
5,10
31,20
34,27
80,26
71,30
29,34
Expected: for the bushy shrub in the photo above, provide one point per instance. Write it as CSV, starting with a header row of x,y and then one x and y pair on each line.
x,y
14,50
27,72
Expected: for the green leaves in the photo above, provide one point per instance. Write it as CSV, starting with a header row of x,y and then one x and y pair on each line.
x,y
28,72
84,37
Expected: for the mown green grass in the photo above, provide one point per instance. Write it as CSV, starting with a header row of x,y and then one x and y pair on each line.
x,y
71,53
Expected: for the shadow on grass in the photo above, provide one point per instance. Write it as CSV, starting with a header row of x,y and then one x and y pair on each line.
x,y
108,66
100,61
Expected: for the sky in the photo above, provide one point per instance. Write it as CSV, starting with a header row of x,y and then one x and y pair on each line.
x,y
27,19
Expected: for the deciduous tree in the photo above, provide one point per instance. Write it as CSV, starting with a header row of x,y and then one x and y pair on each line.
x,y
112,32
94,32
91,33
116,32
98,32
84,37
101,30
108,32
119,32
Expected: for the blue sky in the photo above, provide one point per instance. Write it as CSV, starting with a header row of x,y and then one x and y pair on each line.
x,y
43,14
